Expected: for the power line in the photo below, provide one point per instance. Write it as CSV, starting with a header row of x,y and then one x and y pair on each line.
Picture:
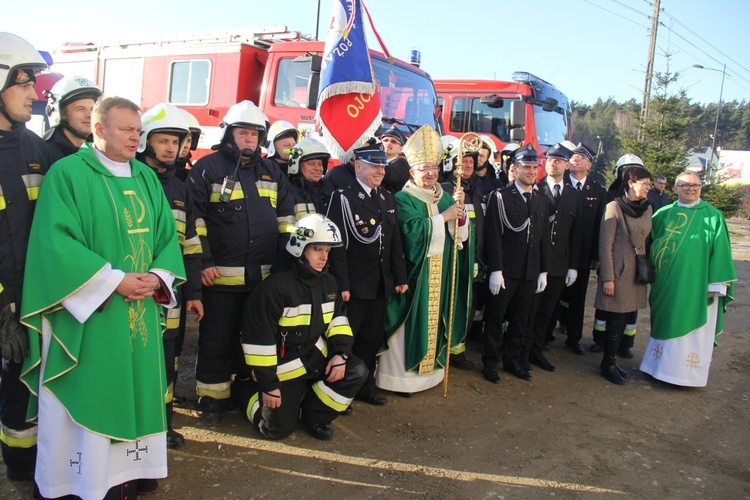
x,y
616,14
630,8
707,43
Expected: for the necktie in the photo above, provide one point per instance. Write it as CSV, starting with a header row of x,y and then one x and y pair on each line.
x,y
527,196
557,191
578,185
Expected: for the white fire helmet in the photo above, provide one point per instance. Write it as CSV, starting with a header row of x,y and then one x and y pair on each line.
x,y
164,118
67,90
628,160
307,149
313,229
17,53
278,130
194,126
245,114
451,154
494,158
449,143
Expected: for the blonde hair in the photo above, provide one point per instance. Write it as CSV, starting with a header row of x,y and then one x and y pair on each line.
x,y
105,104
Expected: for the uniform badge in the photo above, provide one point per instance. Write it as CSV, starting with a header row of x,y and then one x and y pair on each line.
x,y
382,197
361,195
372,222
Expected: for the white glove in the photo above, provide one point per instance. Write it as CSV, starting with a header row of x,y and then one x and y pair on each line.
x,y
571,277
541,282
496,282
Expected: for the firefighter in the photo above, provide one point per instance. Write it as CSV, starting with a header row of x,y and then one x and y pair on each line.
x,y
244,209
298,342
164,130
24,159
183,164
282,137
69,106
307,165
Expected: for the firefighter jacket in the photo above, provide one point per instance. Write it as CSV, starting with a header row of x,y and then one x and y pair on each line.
x,y
475,212
310,197
190,243
294,321
23,162
243,235
58,144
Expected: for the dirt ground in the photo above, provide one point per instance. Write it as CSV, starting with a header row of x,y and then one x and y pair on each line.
x,y
568,434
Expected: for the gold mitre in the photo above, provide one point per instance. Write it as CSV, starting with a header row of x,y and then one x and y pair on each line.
x,y
423,146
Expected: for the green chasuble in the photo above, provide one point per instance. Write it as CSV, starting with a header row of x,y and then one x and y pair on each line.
x,y
109,372
424,308
690,249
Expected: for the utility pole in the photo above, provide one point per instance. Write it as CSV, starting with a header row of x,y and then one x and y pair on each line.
x,y
649,65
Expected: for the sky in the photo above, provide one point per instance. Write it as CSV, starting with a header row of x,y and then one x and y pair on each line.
x,y
589,49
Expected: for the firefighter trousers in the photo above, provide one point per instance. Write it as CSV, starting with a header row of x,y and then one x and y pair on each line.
x,y
219,344
320,402
18,437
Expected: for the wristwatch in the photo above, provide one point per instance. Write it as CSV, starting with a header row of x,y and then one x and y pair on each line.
x,y
344,356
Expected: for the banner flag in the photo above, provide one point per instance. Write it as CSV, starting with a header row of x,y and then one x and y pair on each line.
x,y
348,102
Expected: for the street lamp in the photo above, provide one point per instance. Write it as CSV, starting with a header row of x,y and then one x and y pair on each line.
x,y
718,110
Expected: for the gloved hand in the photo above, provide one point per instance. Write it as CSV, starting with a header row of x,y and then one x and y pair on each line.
x,y
14,341
496,282
541,282
571,277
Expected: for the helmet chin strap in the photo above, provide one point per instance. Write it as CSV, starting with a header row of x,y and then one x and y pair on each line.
x,y
73,131
13,123
150,153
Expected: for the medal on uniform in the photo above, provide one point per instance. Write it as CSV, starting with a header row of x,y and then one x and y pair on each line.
x,y
372,222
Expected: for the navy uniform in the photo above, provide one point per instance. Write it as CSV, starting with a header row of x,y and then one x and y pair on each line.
x,y
370,264
516,237
573,302
563,209
244,212
294,326
24,160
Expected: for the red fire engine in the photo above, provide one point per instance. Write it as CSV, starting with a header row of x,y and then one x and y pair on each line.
x,y
525,110
207,73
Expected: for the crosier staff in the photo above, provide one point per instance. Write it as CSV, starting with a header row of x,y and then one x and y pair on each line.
x,y
472,143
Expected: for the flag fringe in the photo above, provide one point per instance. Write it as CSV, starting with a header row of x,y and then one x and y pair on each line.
x,y
351,87
337,151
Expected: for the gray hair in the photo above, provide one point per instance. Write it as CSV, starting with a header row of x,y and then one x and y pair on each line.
x,y
686,174
105,104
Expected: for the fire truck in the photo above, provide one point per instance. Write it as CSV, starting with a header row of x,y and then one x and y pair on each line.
x,y
525,110
205,74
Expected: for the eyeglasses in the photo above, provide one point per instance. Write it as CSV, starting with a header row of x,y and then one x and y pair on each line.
x,y
644,182
388,139
688,186
429,170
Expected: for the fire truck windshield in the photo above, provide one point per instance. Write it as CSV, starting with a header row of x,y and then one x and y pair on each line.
x,y
405,96
551,126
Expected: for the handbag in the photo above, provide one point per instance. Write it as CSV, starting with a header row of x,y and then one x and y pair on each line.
x,y
644,269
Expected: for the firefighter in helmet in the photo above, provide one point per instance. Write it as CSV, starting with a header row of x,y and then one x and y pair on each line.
x,y
245,210
24,159
69,105
298,342
183,164
307,166
164,132
282,137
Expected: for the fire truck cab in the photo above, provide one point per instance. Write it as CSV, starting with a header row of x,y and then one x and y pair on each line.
x,y
207,73
526,110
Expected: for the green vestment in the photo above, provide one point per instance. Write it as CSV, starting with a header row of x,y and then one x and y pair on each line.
x,y
690,250
424,308
108,373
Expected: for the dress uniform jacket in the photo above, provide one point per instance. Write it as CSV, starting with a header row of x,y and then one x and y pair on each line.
x,y
565,228
593,201
241,237
520,255
371,262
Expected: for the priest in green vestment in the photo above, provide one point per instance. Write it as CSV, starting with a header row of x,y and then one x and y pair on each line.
x,y
103,255
417,321
695,278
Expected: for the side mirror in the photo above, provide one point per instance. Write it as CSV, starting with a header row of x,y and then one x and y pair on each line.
x,y
492,101
313,84
517,121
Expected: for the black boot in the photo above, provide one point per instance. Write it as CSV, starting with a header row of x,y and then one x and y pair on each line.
x,y
609,361
174,438
626,346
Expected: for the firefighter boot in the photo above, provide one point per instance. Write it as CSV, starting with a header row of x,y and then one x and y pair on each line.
x,y
174,439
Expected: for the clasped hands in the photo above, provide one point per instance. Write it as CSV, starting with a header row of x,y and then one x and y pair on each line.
x,y
138,286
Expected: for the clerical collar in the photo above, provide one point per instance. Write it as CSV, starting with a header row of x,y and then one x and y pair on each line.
x,y
116,168
690,205
521,188
551,183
